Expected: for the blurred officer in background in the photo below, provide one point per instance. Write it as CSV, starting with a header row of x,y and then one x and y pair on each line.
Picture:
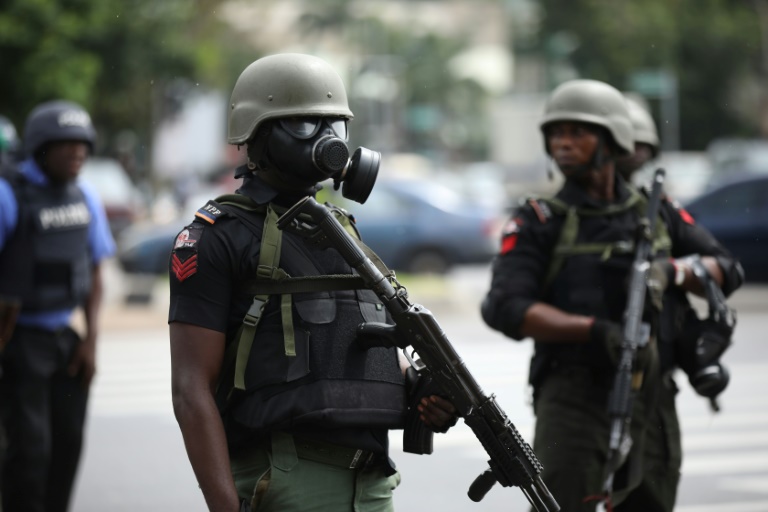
x,y
561,279
300,417
646,139
9,146
9,143
53,237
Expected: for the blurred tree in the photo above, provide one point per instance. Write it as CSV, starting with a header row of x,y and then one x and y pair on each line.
x,y
712,47
403,93
115,57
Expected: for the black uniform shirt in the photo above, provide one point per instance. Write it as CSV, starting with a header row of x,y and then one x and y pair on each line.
x,y
209,262
519,270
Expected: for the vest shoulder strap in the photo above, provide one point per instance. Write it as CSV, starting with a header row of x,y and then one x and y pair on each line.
x,y
566,245
272,280
241,201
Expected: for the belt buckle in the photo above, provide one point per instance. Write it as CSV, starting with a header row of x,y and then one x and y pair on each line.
x,y
359,461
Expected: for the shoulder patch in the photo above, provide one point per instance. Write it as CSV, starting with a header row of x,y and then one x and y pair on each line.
x,y
509,234
210,212
687,217
184,257
188,237
541,209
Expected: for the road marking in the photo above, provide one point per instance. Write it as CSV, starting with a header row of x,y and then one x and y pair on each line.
x,y
719,440
753,461
757,485
741,506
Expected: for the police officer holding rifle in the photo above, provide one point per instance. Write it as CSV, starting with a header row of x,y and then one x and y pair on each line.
x,y
562,278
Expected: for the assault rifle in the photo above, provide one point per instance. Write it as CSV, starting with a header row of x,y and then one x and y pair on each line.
x,y
635,336
512,461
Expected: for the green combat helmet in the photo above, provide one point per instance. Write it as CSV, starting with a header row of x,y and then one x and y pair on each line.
x,y
284,85
291,110
643,125
594,102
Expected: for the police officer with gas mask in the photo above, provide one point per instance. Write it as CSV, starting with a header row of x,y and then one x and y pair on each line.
x,y
279,408
54,235
560,279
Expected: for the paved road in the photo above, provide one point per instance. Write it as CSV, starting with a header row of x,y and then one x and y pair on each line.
x,y
135,460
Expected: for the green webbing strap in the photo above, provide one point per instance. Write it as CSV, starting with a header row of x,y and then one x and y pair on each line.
x,y
291,285
272,280
289,338
240,201
566,245
269,258
567,239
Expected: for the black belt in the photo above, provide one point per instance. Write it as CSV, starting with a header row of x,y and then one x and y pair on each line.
x,y
333,454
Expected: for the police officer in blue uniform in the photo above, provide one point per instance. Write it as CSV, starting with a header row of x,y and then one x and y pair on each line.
x,y
53,237
303,411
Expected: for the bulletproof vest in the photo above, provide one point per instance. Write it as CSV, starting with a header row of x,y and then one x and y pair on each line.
x,y
590,277
46,263
295,359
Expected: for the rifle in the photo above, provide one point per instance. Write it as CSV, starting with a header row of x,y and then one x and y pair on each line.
x,y
512,461
635,336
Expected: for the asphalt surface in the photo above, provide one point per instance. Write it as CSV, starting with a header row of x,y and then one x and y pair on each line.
x,y
134,457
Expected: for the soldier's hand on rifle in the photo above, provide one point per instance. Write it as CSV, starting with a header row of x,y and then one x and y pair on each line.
x,y
609,335
660,275
437,413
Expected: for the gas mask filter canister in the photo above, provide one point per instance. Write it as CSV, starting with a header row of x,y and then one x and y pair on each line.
x,y
314,149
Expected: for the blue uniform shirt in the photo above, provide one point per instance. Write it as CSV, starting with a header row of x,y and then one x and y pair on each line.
x,y
100,241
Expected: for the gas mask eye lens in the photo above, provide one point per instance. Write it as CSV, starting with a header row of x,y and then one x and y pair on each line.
x,y
339,127
301,127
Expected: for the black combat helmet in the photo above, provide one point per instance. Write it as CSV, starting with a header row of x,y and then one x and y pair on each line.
x,y
57,120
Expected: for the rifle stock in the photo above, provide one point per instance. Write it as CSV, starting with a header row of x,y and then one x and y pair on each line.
x,y
512,461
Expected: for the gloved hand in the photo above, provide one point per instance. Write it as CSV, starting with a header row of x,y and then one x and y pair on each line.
x,y
660,275
609,335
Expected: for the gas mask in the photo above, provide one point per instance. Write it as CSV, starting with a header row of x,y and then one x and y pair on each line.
x,y
313,149
707,340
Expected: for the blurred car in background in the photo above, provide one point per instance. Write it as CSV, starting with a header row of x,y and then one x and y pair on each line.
x,y
687,173
144,247
413,225
422,226
121,198
736,213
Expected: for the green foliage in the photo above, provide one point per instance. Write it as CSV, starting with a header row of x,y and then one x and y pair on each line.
x,y
711,46
435,111
114,57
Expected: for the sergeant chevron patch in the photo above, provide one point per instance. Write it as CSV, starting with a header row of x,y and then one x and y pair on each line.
x,y
183,269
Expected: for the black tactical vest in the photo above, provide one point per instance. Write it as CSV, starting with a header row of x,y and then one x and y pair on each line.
x,y
324,378
46,263
590,266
